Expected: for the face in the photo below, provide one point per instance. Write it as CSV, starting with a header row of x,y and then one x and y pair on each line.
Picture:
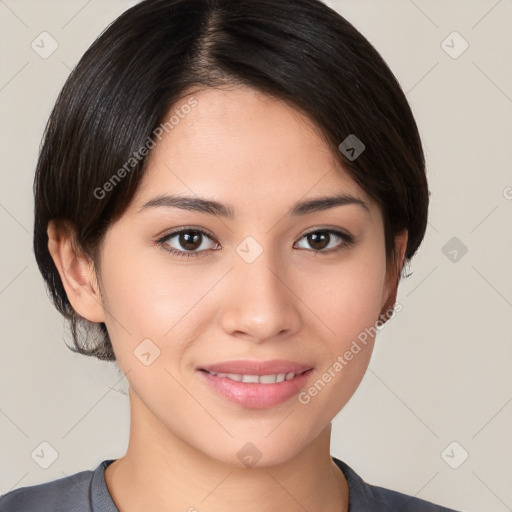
x,y
264,284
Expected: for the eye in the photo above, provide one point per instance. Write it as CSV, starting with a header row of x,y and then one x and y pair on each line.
x,y
322,239
187,242
193,242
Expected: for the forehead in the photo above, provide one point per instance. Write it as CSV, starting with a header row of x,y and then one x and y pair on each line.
x,y
242,144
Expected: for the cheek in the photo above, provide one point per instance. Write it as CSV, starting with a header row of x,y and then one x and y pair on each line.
x,y
347,298
344,362
347,302
145,298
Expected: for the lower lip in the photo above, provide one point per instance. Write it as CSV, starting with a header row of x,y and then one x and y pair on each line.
x,y
256,396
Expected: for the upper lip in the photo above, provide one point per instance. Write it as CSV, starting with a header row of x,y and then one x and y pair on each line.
x,y
247,367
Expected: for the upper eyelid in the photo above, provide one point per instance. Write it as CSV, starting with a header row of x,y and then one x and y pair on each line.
x,y
185,229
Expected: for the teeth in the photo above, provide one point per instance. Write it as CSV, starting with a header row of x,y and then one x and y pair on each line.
x,y
256,379
251,378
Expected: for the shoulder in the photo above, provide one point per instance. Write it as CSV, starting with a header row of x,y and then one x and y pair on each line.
x,y
366,497
73,492
387,499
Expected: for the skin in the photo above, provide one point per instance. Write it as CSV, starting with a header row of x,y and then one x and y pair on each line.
x,y
259,156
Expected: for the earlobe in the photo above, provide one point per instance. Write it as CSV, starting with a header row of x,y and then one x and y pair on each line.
x,y
393,277
76,272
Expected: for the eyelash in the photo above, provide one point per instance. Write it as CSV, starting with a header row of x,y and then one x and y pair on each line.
x,y
347,239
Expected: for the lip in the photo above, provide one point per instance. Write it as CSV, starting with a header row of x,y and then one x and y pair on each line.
x,y
255,395
247,367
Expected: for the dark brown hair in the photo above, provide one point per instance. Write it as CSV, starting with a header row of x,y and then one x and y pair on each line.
x,y
300,51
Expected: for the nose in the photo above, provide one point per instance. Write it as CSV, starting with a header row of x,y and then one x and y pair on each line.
x,y
259,302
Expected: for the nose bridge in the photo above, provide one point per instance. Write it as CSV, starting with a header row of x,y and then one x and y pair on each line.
x,y
259,302
261,279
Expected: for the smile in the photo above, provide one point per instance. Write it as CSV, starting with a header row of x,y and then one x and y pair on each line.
x,y
255,391
257,379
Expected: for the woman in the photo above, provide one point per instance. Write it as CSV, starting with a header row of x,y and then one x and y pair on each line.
x,y
225,199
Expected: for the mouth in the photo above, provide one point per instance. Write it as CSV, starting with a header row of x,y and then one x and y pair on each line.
x,y
256,385
271,378
246,367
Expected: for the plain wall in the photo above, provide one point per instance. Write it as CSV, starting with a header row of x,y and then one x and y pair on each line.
x,y
441,369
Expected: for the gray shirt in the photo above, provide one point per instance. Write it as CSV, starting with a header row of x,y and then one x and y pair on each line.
x,y
87,492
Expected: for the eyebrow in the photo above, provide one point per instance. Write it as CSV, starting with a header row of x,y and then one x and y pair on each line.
x,y
212,207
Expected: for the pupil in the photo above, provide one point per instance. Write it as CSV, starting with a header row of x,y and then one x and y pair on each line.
x,y
188,241
313,239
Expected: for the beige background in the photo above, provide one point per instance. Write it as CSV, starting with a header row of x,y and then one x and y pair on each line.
x,y
441,371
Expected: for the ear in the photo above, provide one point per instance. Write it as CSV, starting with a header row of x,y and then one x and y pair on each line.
x,y
393,277
76,272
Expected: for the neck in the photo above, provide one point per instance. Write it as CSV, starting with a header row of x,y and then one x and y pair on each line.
x,y
162,472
